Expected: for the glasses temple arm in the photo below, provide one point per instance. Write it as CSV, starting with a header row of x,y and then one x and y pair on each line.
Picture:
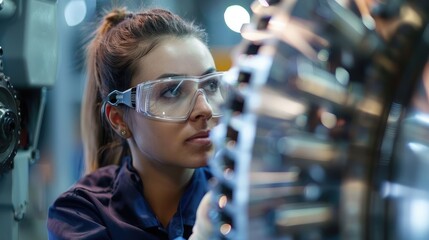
x,y
127,97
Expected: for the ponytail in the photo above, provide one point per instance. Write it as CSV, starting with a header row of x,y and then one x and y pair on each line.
x,y
101,145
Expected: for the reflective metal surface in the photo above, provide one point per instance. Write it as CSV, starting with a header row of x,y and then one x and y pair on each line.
x,y
406,190
324,136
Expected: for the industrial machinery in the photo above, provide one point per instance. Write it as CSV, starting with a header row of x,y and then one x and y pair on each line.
x,y
326,134
27,68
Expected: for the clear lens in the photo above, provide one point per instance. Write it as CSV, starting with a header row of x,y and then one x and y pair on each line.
x,y
174,98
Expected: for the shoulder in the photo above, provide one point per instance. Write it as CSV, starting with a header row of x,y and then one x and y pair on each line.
x,y
79,209
91,185
100,180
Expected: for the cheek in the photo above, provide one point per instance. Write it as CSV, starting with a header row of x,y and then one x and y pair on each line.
x,y
155,138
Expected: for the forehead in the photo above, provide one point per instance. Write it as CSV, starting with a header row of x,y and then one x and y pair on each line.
x,y
184,56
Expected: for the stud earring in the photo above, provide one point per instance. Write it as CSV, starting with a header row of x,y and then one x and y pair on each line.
x,y
123,132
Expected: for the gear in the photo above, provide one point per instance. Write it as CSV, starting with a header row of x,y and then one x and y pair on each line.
x,y
9,123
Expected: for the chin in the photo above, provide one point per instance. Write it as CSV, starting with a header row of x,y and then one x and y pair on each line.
x,y
200,159
200,162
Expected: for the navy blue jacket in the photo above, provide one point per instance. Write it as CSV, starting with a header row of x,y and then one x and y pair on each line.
x,y
109,204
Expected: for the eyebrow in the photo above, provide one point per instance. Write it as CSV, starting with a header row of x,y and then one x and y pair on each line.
x,y
167,75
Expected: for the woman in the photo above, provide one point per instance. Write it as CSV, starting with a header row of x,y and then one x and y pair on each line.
x,y
153,78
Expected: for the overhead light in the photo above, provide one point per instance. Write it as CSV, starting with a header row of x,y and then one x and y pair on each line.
x,y
75,12
235,16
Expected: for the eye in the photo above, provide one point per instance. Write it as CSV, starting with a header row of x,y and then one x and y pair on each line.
x,y
171,91
211,85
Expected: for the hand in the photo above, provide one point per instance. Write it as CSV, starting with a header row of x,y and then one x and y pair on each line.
x,y
203,227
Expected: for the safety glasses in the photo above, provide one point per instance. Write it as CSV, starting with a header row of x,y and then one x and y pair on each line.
x,y
172,99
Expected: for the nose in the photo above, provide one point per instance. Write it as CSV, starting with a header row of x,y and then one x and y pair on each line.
x,y
202,109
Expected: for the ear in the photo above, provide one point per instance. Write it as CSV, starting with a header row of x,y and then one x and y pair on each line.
x,y
115,116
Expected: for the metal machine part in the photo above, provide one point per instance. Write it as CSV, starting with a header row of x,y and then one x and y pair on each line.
x,y
9,121
18,149
315,139
28,37
26,56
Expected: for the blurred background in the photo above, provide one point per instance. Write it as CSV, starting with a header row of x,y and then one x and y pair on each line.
x,y
60,161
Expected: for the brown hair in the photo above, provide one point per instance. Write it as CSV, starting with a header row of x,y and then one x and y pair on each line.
x,y
120,41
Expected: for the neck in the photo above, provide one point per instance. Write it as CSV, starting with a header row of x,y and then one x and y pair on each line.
x,y
163,187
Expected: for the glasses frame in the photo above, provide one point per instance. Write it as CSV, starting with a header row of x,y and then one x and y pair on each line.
x,y
129,96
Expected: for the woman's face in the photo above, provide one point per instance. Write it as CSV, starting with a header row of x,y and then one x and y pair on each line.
x,y
183,144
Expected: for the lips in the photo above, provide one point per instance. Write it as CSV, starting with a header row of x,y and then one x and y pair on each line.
x,y
200,138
